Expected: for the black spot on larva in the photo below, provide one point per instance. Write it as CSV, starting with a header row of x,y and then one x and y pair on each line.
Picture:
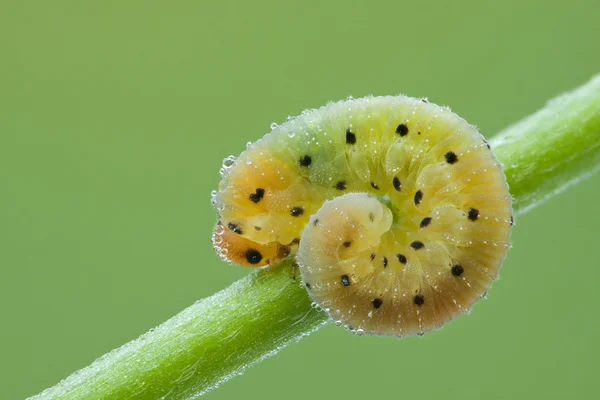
x,y
374,186
235,228
426,221
385,262
253,256
512,220
341,185
424,100
297,211
417,245
457,270
401,258
305,161
473,214
257,228
295,267
419,300
402,130
307,285
396,183
347,244
345,280
418,197
350,137
257,196
316,221
451,157
377,303
371,217
487,144
418,133
372,256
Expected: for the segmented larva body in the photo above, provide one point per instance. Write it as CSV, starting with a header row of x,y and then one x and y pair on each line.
x,y
396,209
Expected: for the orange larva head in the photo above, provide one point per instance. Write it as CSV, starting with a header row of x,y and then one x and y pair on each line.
x,y
243,251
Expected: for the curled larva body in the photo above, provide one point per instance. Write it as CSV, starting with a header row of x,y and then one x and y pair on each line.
x,y
397,210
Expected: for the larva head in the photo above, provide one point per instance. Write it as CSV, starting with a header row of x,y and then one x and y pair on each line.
x,y
242,251
263,196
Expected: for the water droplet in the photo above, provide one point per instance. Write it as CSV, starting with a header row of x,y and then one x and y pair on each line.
x,y
223,186
229,161
217,239
274,125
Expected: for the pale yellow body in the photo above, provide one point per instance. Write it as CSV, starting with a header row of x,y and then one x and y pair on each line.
x,y
419,223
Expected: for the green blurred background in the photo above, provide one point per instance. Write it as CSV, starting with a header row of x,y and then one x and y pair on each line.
x,y
115,117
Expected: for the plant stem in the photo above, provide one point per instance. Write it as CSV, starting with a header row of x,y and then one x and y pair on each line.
x,y
554,148
220,336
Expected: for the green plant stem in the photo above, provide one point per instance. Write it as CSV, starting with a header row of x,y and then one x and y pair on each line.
x,y
220,336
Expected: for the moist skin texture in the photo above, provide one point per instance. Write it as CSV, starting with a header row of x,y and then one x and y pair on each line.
x,y
397,211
